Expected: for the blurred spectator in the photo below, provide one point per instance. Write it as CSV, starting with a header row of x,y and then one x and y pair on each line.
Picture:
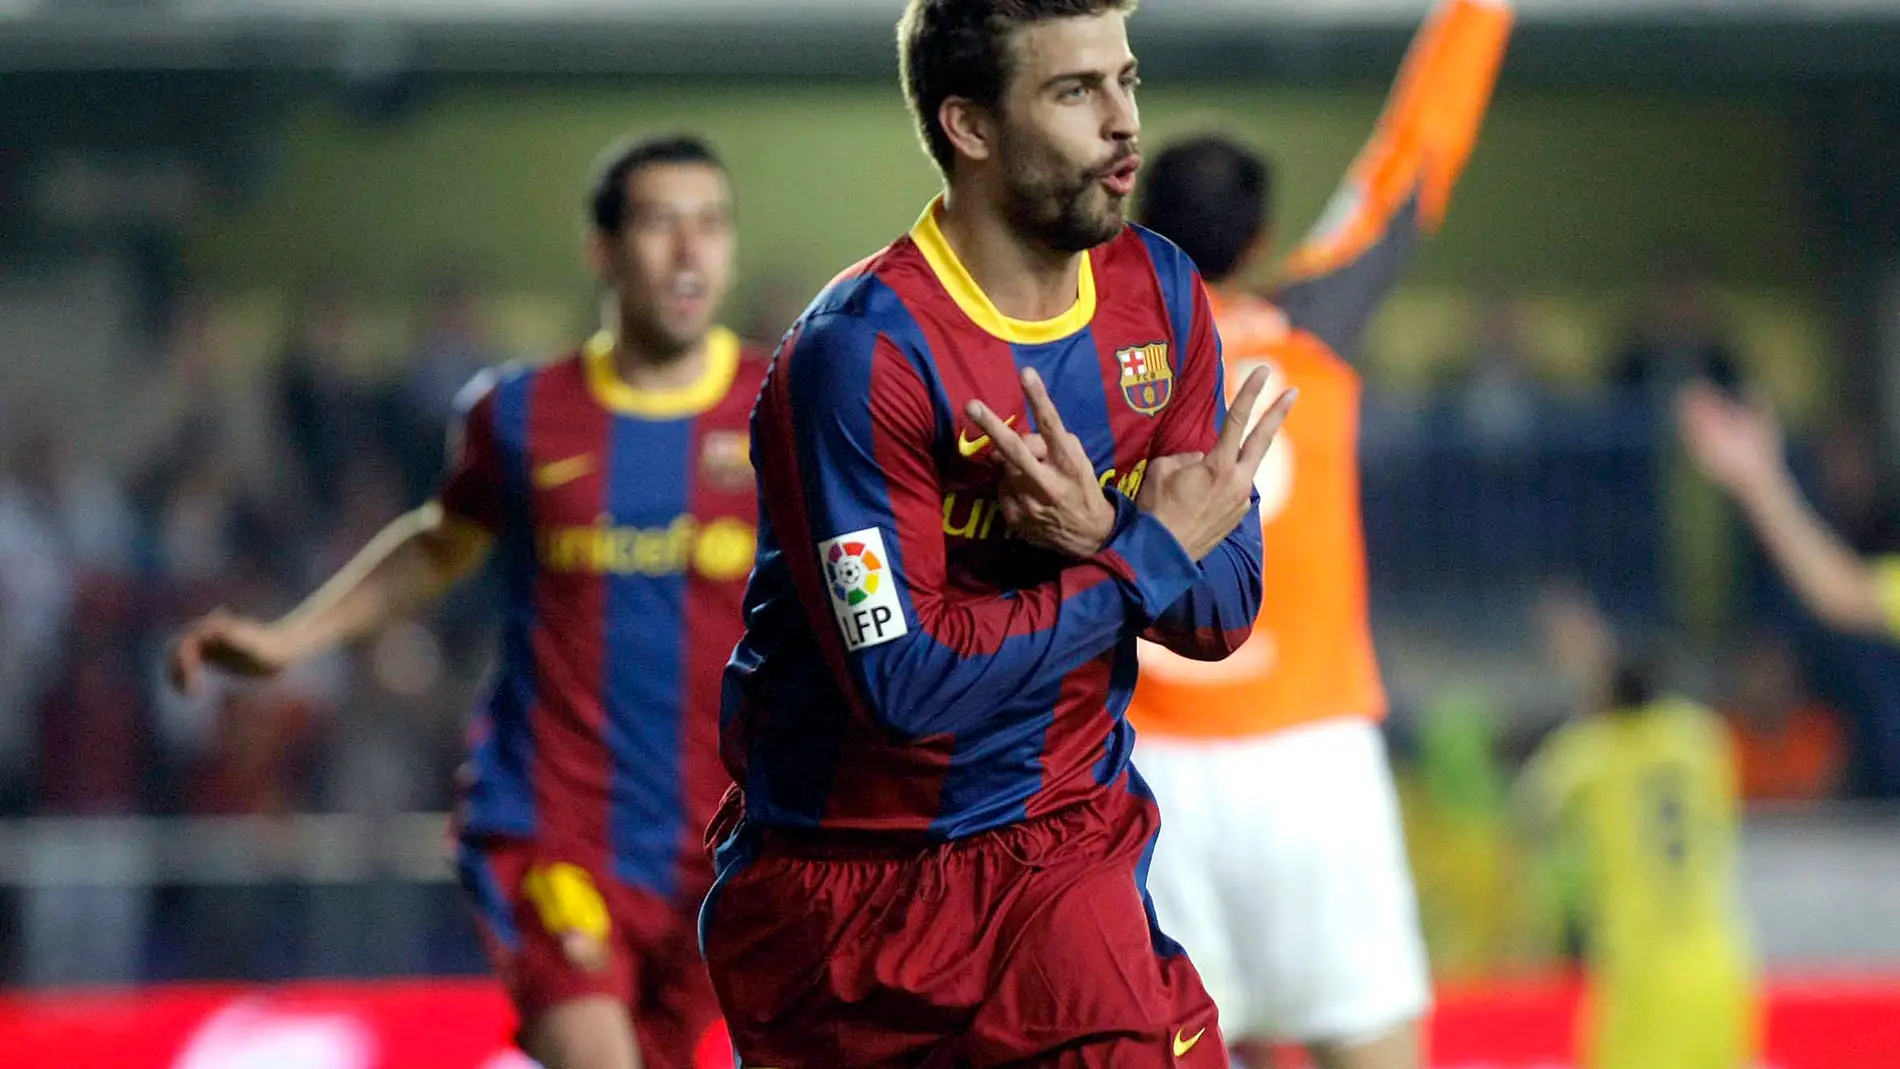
x,y
455,345
37,585
326,417
1680,338
1860,677
1855,596
94,735
196,522
197,405
1851,493
91,509
1788,746
1499,398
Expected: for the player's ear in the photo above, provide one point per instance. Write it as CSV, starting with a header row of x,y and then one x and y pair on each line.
x,y
600,252
970,126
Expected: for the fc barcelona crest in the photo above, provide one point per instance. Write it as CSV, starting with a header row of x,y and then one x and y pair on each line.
x,y
1147,379
725,460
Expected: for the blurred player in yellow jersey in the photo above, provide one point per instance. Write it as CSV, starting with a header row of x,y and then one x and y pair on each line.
x,y
1283,865
1645,789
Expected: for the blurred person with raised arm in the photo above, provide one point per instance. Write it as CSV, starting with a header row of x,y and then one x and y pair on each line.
x,y
1738,444
1303,916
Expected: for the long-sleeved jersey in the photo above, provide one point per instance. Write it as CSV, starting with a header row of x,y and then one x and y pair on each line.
x,y
624,531
1311,654
908,667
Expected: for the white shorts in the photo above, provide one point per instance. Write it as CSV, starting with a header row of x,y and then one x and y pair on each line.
x,y
1282,869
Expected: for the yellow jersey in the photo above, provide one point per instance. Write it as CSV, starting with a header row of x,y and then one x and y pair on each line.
x,y
1887,575
1651,796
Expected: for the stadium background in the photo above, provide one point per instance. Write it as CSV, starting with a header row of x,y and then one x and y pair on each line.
x,y
249,247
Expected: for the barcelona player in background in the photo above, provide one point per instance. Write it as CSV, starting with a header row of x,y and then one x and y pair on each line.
x,y
612,490
989,456
1643,786
1284,868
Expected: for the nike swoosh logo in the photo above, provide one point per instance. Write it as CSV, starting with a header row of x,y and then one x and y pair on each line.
x,y
970,447
561,472
1184,1044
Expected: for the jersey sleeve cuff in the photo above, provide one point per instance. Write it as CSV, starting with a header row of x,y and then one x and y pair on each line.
x,y
1152,568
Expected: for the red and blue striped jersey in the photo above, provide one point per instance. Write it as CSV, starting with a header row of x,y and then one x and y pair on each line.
x,y
624,524
906,666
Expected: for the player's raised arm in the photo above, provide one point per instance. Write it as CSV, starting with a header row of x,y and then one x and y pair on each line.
x,y
1400,185
1740,448
409,564
848,435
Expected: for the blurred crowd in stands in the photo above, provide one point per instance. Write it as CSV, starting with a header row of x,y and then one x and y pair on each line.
x,y
1478,492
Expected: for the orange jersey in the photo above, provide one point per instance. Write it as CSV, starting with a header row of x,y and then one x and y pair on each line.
x,y
1310,657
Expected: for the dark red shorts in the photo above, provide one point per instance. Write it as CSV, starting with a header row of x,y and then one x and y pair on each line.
x,y
651,962
1032,945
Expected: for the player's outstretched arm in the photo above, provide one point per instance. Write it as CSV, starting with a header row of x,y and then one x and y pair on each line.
x,y
1739,447
847,444
1399,187
407,565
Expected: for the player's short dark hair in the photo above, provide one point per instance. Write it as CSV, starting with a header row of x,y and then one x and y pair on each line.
x,y
960,48
1635,683
607,203
1212,197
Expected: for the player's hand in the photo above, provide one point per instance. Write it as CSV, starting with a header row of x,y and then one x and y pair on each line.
x,y
572,911
1049,494
1201,498
234,643
1736,445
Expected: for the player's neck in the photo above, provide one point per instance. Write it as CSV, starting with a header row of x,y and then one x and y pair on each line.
x,y
644,366
1023,279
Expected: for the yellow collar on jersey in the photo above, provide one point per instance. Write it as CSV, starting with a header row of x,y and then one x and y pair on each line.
x,y
722,364
970,297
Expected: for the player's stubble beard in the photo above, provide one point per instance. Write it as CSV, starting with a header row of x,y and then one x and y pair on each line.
x,y
657,342
1053,202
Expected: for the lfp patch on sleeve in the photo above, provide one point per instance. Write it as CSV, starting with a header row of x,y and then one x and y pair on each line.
x,y
863,585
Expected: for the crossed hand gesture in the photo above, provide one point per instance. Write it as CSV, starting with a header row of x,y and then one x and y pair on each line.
x,y
1050,496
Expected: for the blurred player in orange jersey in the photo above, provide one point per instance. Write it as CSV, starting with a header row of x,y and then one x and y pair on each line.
x,y
1305,923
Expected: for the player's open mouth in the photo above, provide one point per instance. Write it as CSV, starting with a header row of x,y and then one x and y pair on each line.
x,y
686,293
1119,180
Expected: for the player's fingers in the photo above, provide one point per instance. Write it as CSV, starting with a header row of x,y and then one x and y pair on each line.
x,y
186,660
1009,445
1254,450
1240,415
1048,420
1038,446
